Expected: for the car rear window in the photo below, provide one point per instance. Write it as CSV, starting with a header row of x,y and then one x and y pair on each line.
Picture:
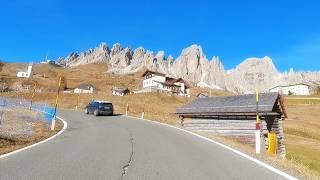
x,y
105,104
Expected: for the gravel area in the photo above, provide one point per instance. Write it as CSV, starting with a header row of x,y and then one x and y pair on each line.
x,y
18,122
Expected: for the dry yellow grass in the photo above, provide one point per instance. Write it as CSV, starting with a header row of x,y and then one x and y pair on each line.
x,y
303,135
41,131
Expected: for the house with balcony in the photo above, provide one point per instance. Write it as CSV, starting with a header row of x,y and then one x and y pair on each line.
x,y
159,82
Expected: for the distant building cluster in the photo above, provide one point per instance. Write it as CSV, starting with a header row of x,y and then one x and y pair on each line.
x,y
81,89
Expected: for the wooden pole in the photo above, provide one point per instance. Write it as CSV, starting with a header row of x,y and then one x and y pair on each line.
x,y
127,109
32,96
257,123
53,122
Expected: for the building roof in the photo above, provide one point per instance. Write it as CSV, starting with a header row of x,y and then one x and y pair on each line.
x,y
120,89
202,95
85,86
152,72
238,105
290,85
101,101
167,83
173,80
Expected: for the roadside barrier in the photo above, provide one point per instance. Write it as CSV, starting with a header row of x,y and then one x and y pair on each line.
x,y
46,112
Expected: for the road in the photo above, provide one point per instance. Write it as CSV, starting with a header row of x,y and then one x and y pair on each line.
x,y
119,147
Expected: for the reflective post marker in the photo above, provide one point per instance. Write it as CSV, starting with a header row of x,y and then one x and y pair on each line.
x,y
272,143
257,123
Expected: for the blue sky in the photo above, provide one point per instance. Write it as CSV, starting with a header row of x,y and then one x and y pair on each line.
x,y
287,31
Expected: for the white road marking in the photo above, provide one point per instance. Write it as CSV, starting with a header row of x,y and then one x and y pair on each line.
x,y
65,126
273,169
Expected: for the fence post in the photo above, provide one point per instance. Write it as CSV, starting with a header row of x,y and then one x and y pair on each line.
x,y
2,109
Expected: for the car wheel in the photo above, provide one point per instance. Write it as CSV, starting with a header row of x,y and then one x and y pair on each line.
x,y
86,111
95,112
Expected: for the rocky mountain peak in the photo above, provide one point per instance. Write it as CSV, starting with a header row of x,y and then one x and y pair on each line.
x,y
194,52
193,66
104,47
116,48
258,64
216,63
160,56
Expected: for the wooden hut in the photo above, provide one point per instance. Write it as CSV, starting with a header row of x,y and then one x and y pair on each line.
x,y
236,116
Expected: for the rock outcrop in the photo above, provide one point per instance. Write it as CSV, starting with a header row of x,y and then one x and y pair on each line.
x,y
99,54
193,66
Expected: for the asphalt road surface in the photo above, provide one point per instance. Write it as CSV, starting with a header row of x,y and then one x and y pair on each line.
x,y
119,147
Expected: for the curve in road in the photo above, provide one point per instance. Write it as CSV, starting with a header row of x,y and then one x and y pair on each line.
x,y
120,147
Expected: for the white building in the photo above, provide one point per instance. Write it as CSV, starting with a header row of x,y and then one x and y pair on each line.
x,y
84,88
26,74
48,62
295,89
120,91
158,81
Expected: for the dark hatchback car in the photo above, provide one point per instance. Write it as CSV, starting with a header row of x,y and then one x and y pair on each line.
x,y
99,108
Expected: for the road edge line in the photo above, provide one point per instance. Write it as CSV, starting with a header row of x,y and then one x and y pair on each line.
x,y
271,168
65,126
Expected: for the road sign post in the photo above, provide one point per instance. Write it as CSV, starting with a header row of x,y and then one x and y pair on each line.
x,y
53,122
258,143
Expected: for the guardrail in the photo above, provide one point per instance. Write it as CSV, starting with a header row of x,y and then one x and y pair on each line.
x,y
46,112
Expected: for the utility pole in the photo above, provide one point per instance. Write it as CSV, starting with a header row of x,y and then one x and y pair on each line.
x,y
257,123
56,105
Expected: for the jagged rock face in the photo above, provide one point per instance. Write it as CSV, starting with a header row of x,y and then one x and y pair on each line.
x,y
99,54
192,65
254,73
298,77
216,74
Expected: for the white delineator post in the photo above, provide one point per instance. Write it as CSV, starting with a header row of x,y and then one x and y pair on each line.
x,y
53,123
142,114
257,123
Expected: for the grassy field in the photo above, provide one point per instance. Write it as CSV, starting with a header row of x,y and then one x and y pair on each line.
x,y
302,132
301,128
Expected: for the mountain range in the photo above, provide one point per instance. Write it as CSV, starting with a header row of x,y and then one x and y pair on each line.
x,y
193,66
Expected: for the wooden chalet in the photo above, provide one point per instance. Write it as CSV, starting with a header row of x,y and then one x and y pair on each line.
x,y
236,116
